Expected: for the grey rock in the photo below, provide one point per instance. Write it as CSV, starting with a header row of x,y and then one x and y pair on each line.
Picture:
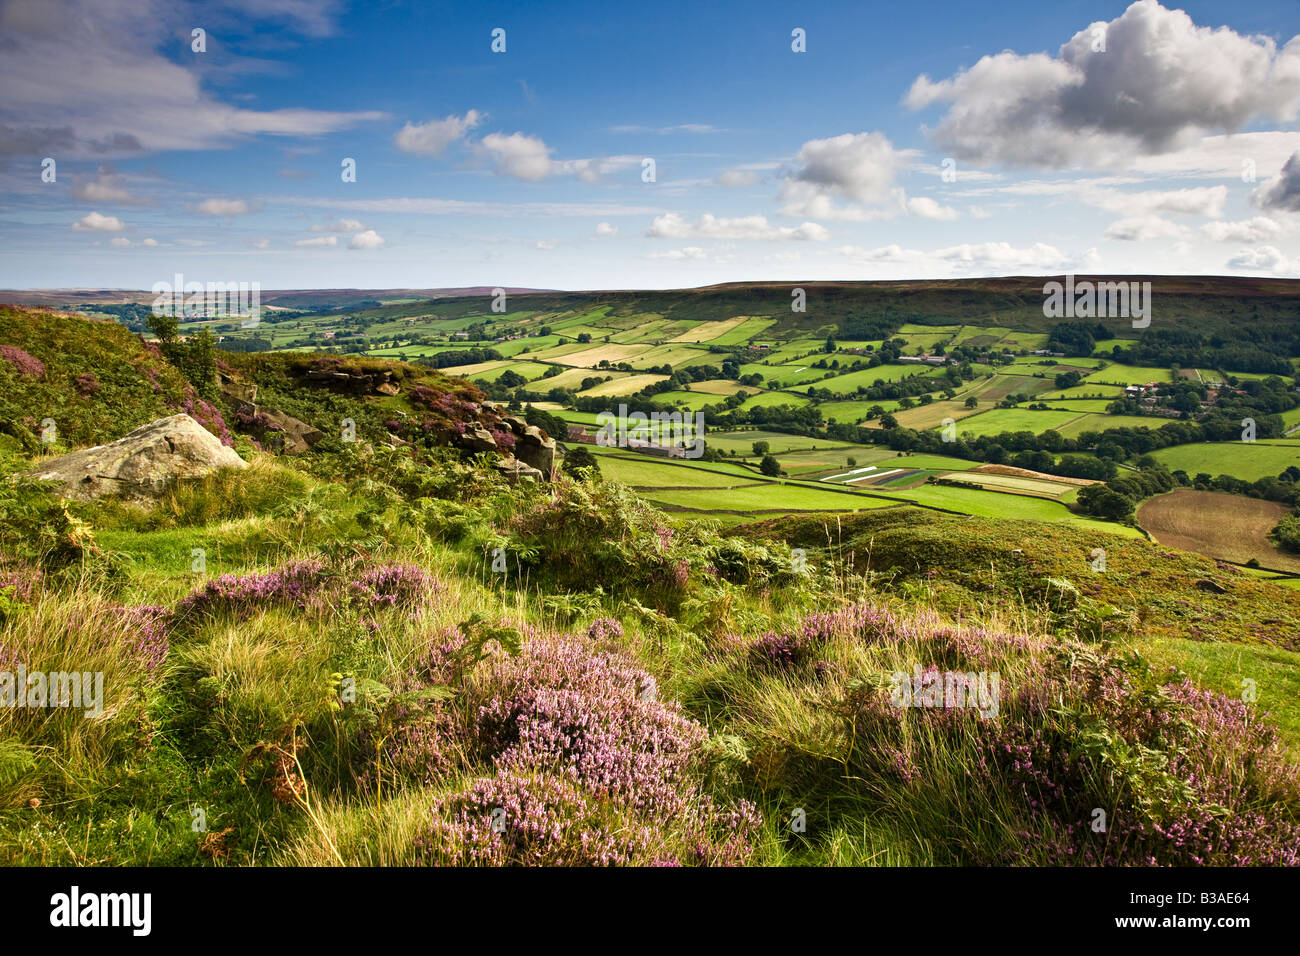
x,y
142,465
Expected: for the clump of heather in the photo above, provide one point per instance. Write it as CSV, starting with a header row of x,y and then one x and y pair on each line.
x,y
148,625
524,818
591,767
604,628
86,384
26,365
209,416
395,585
22,584
793,647
293,585
1183,776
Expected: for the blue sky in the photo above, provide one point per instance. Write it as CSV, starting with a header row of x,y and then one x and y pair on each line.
x,y
1076,136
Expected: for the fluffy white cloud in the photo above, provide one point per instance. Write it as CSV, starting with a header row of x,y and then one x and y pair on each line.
x,y
517,156
369,239
108,186
673,226
223,207
861,168
95,222
1262,259
1249,230
606,231
1142,228
1160,82
90,78
1003,255
317,242
433,138
927,208
1282,192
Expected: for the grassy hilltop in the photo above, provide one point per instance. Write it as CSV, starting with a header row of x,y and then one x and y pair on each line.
x,y
382,652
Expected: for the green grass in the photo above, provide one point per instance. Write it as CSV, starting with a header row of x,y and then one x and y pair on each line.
x,y
998,420
1249,461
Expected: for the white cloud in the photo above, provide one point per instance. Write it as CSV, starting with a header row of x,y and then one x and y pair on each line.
x,y
317,242
1249,230
1262,259
223,207
1142,228
733,178
338,225
90,78
673,226
119,241
107,187
95,222
859,167
546,244
890,253
605,230
261,243
690,252
369,239
1282,192
1003,255
517,156
433,138
1161,82
927,208
663,130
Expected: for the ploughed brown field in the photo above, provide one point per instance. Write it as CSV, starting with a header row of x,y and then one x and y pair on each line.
x,y
1230,527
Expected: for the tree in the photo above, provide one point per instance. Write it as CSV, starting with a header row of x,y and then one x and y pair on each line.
x,y
972,402
830,343
770,466
580,457
761,448
888,421
584,337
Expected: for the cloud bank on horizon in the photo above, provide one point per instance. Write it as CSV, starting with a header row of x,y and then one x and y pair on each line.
x,y
328,144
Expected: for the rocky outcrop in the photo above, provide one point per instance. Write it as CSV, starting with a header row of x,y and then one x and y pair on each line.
x,y
532,445
142,465
273,429
353,381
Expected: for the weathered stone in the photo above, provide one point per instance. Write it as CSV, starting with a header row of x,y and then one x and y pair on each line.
x,y
478,438
536,449
142,465
297,435
387,388
516,470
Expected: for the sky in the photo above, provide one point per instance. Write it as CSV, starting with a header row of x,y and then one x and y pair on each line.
x,y
664,145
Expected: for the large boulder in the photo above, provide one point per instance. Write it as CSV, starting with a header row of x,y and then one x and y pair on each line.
x,y
537,449
142,465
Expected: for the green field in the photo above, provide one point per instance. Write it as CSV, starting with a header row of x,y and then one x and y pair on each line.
x,y
1246,460
999,420
1131,375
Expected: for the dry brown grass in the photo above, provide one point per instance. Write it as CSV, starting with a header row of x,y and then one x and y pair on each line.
x,y
1230,527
